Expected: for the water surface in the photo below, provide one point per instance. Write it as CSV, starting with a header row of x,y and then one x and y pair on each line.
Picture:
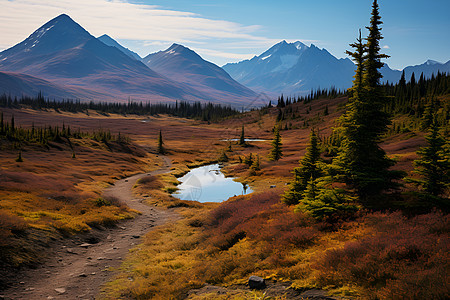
x,y
247,140
209,184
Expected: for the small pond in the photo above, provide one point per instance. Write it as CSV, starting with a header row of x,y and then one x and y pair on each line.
x,y
247,140
209,184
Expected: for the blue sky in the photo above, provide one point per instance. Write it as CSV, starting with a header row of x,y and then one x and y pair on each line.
x,y
231,30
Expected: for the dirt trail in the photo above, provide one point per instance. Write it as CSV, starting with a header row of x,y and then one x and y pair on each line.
x,y
77,268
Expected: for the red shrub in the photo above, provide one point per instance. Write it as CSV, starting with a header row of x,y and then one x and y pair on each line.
x,y
260,217
10,224
233,212
404,258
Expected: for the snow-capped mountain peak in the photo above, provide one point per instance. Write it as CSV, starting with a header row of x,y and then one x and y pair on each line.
x,y
300,45
431,62
55,35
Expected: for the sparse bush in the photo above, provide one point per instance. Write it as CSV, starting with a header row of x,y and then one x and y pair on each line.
x,y
99,202
195,223
150,182
115,201
171,190
10,224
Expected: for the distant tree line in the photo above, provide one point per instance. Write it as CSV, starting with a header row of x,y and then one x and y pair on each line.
x,y
194,110
412,97
330,93
405,97
17,135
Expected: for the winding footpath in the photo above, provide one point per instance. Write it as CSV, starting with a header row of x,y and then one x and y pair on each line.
x,y
77,268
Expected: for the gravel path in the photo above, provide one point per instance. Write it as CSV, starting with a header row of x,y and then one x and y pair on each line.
x,y
78,267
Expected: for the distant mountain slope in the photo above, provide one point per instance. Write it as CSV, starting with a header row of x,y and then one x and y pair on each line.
x,y
107,40
428,68
18,85
184,65
294,68
63,52
278,58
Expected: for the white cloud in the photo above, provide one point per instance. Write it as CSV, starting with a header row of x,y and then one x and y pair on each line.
x,y
386,47
217,53
147,24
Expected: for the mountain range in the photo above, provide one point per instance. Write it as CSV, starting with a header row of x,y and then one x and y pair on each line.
x,y
294,68
64,54
63,60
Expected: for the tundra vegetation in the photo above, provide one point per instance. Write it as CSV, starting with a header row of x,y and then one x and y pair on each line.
x,y
356,201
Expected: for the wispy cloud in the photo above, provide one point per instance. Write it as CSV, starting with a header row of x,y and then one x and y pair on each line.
x,y
223,54
146,24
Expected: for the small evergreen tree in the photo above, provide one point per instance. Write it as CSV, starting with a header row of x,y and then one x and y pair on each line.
x,y
229,148
242,137
325,203
256,166
161,149
1,123
19,157
223,157
434,164
12,126
429,114
311,167
248,160
276,153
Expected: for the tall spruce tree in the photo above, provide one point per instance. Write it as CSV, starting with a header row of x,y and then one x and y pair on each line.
x,y
363,164
276,153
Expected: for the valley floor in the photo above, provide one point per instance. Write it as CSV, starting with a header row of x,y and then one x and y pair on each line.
x,y
184,249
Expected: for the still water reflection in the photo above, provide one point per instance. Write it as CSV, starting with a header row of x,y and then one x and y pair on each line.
x,y
209,184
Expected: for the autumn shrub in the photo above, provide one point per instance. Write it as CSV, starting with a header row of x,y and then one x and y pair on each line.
x,y
9,225
402,259
150,182
99,202
112,200
241,208
262,218
195,222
